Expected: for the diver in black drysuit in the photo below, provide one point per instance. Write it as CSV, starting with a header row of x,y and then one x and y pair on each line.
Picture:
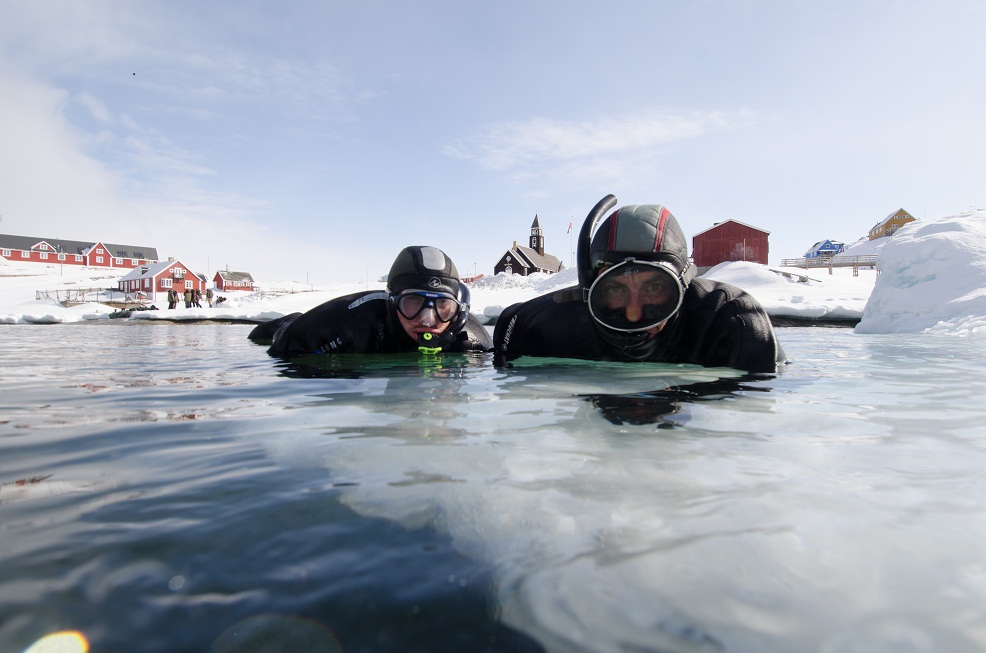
x,y
372,321
696,321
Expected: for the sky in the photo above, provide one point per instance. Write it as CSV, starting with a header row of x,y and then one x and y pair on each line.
x,y
310,141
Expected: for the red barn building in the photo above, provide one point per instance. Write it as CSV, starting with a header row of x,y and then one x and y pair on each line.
x,y
148,281
729,241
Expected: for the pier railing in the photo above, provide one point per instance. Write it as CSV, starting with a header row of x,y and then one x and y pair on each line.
x,y
72,296
831,262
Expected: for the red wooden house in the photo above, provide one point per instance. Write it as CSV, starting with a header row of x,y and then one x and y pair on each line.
x,y
226,280
30,249
152,282
115,256
729,241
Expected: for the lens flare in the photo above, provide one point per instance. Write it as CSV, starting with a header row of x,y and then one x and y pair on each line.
x,y
62,642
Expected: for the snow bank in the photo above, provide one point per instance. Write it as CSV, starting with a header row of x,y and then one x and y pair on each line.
x,y
794,292
932,279
490,295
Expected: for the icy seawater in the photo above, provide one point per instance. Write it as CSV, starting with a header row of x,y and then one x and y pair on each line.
x,y
171,488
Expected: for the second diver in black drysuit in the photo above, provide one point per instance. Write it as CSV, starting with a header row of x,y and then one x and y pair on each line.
x,y
424,308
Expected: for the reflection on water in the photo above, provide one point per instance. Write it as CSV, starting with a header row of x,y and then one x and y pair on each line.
x,y
656,405
176,474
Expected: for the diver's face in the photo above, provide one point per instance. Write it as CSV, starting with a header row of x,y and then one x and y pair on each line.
x,y
425,312
425,322
633,292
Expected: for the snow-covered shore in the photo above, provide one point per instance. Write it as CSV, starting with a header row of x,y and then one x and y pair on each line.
x,y
839,296
932,277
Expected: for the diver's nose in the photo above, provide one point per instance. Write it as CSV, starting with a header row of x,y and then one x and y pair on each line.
x,y
634,311
427,317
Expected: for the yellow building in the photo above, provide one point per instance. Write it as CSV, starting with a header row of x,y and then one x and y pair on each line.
x,y
890,224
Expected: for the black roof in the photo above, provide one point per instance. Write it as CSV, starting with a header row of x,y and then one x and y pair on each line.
x,y
545,262
235,276
10,241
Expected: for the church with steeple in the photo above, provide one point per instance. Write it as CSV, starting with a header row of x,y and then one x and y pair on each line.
x,y
528,260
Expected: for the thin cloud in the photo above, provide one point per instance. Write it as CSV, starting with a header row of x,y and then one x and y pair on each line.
x,y
161,158
234,76
518,147
95,107
177,68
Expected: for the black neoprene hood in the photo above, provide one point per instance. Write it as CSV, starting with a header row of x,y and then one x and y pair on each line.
x,y
423,268
645,232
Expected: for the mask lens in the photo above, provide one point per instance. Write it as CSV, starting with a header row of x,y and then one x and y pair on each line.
x,y
446,307
634,296
411,304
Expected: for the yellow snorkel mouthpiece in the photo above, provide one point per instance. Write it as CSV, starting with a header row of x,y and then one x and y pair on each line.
x,y
424,342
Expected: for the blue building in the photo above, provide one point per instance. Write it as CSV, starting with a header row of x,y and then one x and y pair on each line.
x,y
825,248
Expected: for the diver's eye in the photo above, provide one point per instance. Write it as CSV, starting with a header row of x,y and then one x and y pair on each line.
x,y
656,288
614,290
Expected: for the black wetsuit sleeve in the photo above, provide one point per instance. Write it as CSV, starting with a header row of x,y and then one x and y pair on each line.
x,y
745,340
554,325
263,334
726,327
350,324
505,346
473,337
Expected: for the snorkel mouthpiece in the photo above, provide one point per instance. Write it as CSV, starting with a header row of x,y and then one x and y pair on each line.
x,y
426,344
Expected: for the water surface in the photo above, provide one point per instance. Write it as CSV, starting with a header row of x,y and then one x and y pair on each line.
x,y
181,491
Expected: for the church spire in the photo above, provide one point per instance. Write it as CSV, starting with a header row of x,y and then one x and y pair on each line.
x,y
537,237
